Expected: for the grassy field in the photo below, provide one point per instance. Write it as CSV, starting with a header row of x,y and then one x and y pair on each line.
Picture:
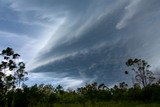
x,y
103,104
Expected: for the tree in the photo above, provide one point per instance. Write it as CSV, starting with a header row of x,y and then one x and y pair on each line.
x,y
12,71
140,67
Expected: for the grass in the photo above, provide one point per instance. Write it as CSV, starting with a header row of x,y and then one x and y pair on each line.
x,y
103,104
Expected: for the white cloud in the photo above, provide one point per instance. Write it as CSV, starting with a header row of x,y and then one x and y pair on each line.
x,y
30,13
53,79
131,10
12,35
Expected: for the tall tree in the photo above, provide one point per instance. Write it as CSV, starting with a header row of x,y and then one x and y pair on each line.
x,y
143,75
12,71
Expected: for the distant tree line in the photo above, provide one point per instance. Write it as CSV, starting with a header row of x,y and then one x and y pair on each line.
x,y
14,93
49,95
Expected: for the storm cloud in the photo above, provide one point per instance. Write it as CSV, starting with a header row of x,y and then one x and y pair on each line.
x,y
94,38
97,46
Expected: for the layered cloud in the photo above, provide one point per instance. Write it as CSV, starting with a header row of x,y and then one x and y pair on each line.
x,y
87,40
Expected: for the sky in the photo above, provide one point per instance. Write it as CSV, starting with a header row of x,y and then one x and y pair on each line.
x,y
73,42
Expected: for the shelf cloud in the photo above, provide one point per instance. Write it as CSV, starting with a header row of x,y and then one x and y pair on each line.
x,y
86,40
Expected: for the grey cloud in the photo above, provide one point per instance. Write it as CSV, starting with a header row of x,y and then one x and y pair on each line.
x,y
101,49
137,9
131,10
106,63
70,4
93,34
96,38
48,10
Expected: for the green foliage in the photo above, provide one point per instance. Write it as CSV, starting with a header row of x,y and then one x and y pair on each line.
x,y
106,104
12,72
90,95
87,96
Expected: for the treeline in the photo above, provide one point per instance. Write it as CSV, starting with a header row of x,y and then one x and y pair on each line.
x,y
146,88
49,95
